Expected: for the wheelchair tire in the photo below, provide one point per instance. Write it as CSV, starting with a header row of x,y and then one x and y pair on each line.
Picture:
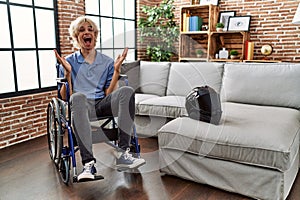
x,y
64,169
54,131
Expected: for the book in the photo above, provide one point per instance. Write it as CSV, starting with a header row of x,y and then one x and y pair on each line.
x,y
200,23
250,51
187,21
184,15
195,23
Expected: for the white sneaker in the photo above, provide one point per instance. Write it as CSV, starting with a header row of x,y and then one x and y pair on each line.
x,y
126,160
88,172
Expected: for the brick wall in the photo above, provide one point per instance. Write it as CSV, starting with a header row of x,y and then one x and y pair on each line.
x,y
23,118
270,24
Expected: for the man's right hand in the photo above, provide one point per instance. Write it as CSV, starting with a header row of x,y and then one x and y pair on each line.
x,y
67,73
64,63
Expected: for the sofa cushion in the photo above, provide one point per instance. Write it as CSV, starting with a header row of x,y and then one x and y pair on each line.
x,y
139,97
132,70
256,135
154,77
263,84
166,106
185,76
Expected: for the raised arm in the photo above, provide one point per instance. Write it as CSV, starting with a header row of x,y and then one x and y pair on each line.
x,y
117,69
67,73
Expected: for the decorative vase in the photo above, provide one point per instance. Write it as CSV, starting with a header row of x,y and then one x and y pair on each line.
x,y
223,54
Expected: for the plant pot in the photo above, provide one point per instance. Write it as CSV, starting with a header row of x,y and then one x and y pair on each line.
x,y
199,55
234,56
219,29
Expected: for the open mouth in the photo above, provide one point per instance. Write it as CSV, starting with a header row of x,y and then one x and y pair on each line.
x,y
87,40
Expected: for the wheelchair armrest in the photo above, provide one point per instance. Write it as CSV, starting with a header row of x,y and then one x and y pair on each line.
x,y
61,80
123,76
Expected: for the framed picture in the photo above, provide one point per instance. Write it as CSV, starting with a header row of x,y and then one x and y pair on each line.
x,y
224,18
240,23
207,2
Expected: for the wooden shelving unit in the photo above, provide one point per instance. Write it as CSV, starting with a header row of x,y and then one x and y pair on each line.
x,y
209,41
192,40
230,40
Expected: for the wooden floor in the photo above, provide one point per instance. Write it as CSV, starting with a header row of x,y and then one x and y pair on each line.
x,y
26,172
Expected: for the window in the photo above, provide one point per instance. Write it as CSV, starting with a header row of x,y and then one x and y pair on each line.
x,y
117,21
27,39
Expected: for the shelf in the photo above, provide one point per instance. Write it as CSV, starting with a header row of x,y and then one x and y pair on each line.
x,y
190,43
245,61
194,32
191,7
263,61
233,40
193,59
208,13
228,32
226,60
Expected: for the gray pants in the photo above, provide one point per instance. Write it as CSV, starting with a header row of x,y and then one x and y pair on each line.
x,y
119,103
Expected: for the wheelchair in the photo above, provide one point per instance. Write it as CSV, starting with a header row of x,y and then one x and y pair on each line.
x,y
62,141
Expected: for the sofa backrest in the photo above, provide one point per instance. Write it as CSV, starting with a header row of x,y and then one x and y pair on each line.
x,y
262,84
132,70
183,77
154,77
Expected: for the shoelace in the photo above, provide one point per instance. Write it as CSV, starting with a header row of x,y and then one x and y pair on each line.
x,y
127,155
87,168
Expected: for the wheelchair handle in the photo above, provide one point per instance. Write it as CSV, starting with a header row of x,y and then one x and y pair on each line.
x,y
124,77
61,80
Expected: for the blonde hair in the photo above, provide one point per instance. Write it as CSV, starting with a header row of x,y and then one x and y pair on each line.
x,y
75,25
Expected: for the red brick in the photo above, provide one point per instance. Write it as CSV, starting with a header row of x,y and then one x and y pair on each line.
x,y
13,117
19,139
6,138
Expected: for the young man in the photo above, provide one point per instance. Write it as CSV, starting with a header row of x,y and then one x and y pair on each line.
x,y
93,77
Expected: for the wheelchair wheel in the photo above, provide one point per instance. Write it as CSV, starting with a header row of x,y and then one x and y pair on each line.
x,y
64,169
54,131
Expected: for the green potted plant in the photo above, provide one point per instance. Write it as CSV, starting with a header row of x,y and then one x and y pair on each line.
x,y
219,27
199,53
159,30
234,54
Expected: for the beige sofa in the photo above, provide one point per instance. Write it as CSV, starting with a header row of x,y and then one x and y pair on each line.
x,y
254,150
163,87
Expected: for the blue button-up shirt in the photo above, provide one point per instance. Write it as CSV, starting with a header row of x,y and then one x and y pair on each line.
x,y
90,79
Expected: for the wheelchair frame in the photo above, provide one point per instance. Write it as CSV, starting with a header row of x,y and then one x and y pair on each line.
x,y
62,153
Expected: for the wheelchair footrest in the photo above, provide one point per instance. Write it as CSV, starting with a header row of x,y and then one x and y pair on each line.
x,y
97,178
132,170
